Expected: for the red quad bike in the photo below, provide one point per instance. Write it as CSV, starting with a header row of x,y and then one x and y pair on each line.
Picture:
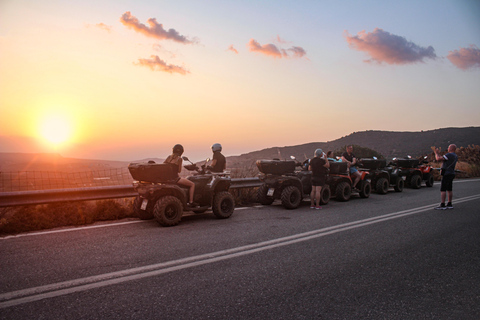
x,y
381,176
341,183
413,172
427,172
282,181
160,197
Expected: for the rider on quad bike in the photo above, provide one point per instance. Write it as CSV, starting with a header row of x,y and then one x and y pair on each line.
x,y
218,163
176,160
163,197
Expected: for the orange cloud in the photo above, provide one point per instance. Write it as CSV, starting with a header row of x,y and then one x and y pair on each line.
x,y
155,30
103,26
385,47
157,64
231,48
465,58
268,49
273,51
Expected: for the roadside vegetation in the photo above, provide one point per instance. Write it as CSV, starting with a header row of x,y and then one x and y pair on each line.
x,y
38,217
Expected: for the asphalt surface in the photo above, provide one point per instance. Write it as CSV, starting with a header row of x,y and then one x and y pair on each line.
x,y
386,257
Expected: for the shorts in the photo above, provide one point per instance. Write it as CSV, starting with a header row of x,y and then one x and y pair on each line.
x,y
318,181
353,170
447,182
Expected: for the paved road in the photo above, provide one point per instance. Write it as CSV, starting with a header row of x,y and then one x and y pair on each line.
x,y
387,257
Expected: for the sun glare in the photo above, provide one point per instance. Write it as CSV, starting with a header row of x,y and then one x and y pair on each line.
x,y
55,129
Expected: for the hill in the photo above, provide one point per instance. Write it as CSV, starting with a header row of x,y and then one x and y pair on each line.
x,y
388,143
12,162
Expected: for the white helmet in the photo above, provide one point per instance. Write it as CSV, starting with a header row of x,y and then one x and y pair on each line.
x,y
216,147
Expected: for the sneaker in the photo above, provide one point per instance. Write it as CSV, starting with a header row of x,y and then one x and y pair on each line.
x,y
441,207
355,190
449,206
318,207
192,204
312,207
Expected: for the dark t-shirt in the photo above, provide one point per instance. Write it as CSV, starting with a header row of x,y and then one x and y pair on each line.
x,y
318,169
449,163
220,164
175,162
348,157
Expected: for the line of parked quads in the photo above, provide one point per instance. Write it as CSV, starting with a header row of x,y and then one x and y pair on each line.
x,y
160,197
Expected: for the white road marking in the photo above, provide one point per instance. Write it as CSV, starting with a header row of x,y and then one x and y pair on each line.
x,y
62,288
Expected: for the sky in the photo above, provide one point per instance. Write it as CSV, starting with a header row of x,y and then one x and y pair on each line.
x,y
126,80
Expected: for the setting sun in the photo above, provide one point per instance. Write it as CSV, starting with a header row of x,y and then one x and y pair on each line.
x,y
55,129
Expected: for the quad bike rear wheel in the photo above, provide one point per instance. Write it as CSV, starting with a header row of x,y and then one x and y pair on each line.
x,y
291,197
142,214
429,181
168,211
223,204
325,195
381,186
262,195
343,191
416,181
399,184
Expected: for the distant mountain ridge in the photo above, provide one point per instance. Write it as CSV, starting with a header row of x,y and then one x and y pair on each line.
x,y
389,143
11,162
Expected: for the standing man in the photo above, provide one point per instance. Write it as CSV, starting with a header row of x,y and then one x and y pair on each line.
x,y
219,163
448,174
351,160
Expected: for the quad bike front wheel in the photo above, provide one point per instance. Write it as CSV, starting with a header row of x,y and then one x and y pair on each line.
x,y
142,214
223,204
168,211
291,197
366,189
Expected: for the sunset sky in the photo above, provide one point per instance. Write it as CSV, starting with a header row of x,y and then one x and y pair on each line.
x,y
125,80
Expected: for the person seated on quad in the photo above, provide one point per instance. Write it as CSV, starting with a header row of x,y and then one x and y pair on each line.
x,y
176,160
318,166
351,161
331,158
219,163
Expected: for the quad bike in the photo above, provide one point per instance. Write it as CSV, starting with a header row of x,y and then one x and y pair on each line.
x,y
427,172
414,173
305,177
282,181
160,197
381,176
341,182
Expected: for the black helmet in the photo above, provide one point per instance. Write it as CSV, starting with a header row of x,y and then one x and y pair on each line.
x,y
178,149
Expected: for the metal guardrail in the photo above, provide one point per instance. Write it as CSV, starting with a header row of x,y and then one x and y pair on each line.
x,y
20,198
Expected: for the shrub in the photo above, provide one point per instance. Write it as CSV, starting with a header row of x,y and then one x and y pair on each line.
x,y
53,215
